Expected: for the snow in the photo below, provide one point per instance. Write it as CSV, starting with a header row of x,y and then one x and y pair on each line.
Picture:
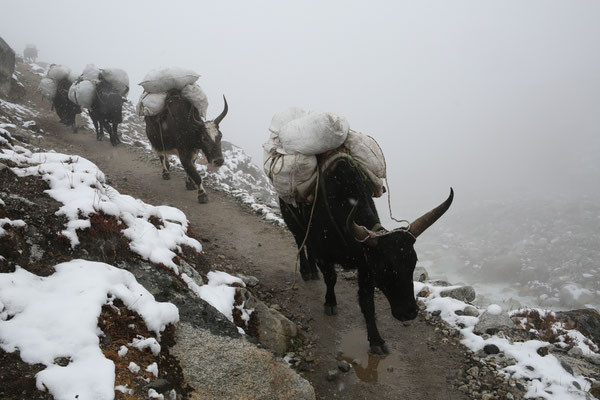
x,y
133,367
153,369
153,394
123,350
57,316
80,186
494,309
142,343
17,223
545,376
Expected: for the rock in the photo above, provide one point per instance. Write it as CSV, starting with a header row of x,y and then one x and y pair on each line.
x,y
566,366
491,349
487,396
463,293
344,366
332,375
586,321
425,292
436,313
440,282
160,385
593,358
249,280
473,371
471,311
576,384
191,272
575,352
254,372
492,323
420,275
542,351
349,275
274,330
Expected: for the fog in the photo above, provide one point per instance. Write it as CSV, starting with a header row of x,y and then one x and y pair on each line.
x,y
499,100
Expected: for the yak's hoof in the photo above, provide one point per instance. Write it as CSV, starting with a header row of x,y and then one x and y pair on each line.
x,y
99,138
202,198
190,185
166,176
114,141
330,310
74,128
380,350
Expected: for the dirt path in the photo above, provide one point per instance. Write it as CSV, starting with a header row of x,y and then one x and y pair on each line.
x,y
237,240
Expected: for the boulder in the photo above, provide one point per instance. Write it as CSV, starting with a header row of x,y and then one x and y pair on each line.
x,y
420,274
586,321
275,331
492,323
218,367
7,66
463,293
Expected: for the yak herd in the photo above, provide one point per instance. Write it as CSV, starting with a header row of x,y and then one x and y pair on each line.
x,y
341,227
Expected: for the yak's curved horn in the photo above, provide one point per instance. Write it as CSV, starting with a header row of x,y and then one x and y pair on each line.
x,y
223,114
422,223
359,232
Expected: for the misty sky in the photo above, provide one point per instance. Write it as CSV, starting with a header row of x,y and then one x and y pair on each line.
x,y
494,98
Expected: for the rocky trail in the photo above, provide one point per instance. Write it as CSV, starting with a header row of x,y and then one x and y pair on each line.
x,y
420,366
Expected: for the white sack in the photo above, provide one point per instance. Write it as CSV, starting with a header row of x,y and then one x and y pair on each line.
x,y
82,93
151,104
165,79
287,172
314,133
117,78
47,88
194,94
73,76
58,72
366,151
285,116
91,73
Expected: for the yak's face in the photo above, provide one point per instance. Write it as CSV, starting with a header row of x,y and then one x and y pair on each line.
x,y
210,144
395,258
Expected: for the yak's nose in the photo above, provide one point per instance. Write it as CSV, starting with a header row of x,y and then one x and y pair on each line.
x,y
407,315
218,162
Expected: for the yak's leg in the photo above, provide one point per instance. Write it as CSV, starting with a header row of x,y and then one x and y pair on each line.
x,y
187,159
112,130
366,300
189,183
330,278
99,129
164,161
312,265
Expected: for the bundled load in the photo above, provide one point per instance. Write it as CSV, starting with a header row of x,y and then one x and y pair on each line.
x,y
83,91
299,135
158,82
118,78
49,84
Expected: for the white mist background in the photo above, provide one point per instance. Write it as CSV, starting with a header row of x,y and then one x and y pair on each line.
x,y
499,100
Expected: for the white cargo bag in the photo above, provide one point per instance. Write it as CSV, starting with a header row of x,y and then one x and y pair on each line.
x,y
47,88
151,104
314,133
284,116
82,93
194,94
117,78
287,172
73,76
91,73
366,151
165,79
58,72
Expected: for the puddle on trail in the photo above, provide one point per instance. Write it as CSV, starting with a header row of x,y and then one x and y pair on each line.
x,y
354,348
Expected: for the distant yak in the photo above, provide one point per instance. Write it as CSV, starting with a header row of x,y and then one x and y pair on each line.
x,y
106,111
179,129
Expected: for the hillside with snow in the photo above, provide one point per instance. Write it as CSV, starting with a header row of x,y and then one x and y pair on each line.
x,y
103,295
